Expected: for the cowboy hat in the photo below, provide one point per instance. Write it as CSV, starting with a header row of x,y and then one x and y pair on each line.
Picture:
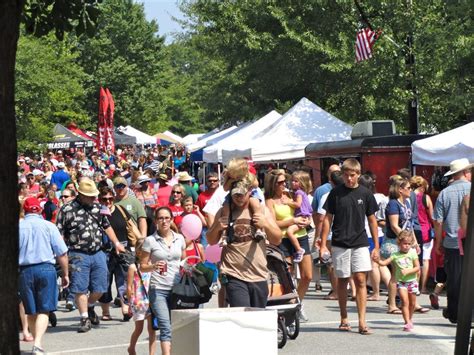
x,y
458,165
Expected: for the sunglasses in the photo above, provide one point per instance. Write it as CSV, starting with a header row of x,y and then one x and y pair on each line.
x,y
177,192
106,199
212,180
119,186
281,182
65,196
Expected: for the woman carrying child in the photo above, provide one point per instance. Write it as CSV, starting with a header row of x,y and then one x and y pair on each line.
x,y
137,294
301,186
406,265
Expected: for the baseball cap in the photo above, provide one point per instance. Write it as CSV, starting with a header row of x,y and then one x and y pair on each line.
x,y
120,180
32,205
61,165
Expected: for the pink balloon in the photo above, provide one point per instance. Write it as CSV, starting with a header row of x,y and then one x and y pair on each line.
x,y
191,226
213,253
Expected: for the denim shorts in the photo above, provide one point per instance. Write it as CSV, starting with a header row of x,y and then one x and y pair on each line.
x,y
38,288
289,250
160,304
88,272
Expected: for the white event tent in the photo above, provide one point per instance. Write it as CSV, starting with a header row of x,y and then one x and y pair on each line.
x,y
301,125
445,147
200,144
239,138
142,138
173,136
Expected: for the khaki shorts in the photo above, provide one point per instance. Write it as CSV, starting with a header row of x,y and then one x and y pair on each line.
x,y
348,261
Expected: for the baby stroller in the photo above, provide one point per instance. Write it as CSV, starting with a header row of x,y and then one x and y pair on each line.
x,y
282,296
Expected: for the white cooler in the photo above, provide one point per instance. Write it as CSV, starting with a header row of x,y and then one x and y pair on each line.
x,y
239,331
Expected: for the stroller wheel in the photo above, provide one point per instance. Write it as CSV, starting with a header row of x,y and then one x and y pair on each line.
x,y
294,328
282,335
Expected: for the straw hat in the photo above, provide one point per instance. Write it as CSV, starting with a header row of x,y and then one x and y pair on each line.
x,y
184,176
87,188
458,165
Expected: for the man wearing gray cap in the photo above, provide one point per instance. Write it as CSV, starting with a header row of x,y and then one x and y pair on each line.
x,y
446,215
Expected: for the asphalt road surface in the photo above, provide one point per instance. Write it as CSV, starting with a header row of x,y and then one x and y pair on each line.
x,y
320,335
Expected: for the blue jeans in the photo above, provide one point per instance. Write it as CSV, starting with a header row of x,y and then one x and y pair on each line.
x,y
160,304
119,272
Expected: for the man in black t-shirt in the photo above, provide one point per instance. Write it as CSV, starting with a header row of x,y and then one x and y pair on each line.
x,y
346,207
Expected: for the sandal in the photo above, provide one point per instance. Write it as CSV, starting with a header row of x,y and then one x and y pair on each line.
x,y
373,298
394,311
331,296
365,331
106,317
422,310
344,327
27,338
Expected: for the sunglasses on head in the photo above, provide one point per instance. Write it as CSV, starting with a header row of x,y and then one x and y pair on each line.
x,y
119,186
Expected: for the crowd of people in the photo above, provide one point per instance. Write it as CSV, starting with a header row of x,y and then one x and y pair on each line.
x,y
117,217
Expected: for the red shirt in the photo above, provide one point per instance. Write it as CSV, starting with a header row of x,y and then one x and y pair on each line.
x,y
203,199
177,212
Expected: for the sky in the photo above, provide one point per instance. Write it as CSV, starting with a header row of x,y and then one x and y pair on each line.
x,y
162,11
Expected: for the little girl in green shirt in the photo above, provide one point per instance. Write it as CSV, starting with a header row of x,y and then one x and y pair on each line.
x,y
406,266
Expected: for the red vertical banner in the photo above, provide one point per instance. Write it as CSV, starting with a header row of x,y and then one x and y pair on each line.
x,y
101,123
110,139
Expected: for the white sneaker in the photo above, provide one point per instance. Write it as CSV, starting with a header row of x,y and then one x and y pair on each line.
x,y
303,317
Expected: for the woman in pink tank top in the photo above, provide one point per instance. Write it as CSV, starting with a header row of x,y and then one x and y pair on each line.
x,y
425,213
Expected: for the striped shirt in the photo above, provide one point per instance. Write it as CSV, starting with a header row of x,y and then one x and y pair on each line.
x,y
448,210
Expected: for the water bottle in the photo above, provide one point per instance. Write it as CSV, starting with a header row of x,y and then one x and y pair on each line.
x,y
326,257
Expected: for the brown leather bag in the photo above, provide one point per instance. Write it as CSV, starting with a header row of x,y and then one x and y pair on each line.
x,y
133,233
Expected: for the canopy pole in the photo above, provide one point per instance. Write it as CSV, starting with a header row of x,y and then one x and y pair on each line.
x,y
219,173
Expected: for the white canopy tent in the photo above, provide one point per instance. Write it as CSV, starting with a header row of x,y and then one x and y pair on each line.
x,y
200,144
238,139
301,125
192,138
443,148
142,138
170,134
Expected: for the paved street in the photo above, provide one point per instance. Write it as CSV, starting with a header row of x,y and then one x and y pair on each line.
x,y
432,334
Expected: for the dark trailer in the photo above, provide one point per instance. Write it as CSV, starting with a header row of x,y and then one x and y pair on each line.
x,y
382,155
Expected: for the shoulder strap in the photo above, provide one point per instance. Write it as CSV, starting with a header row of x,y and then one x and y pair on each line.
x,y
423,200
120,208
141,280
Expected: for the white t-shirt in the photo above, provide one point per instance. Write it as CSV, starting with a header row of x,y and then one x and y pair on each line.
x,y
322,211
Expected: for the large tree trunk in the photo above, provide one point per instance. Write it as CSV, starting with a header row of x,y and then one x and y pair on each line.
x,y
10,11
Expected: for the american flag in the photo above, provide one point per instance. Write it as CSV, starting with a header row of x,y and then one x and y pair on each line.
x,y
364,42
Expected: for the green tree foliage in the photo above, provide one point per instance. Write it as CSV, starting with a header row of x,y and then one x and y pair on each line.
x,y
49,89
125,56
278,52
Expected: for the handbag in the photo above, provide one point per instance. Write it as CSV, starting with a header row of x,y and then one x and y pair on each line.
x,y
133,234
191,291
154,318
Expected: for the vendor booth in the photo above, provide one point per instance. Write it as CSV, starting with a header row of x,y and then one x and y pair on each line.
x,y
141,137
303,124
441,149
66,139
235,144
